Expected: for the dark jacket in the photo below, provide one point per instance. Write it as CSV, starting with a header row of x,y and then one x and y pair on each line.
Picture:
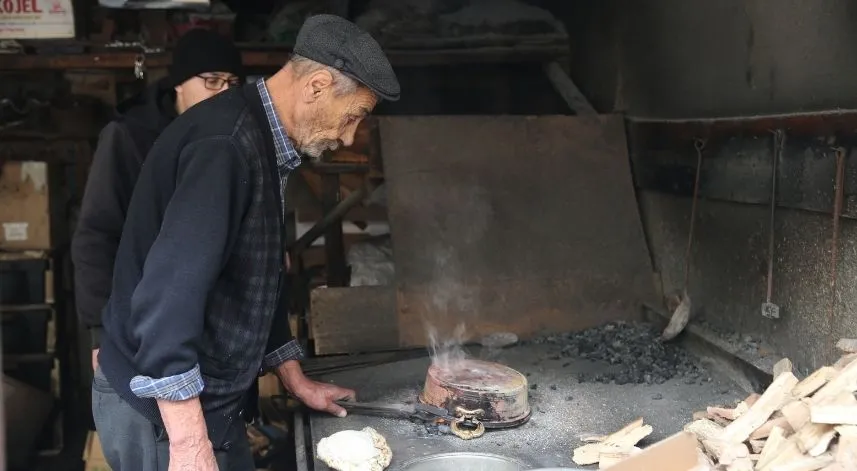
x,y
199,269
122,147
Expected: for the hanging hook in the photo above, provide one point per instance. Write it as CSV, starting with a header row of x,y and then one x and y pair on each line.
x,y
699,143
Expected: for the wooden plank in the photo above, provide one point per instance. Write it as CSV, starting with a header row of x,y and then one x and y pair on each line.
x,y
569,92
277,57
469,245
772,399
354,319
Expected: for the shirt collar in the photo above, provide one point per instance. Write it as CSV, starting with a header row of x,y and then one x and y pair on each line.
x,y
288,157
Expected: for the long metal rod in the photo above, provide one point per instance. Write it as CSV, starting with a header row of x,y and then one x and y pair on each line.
x,y
699,144
779,145
332,217
837,210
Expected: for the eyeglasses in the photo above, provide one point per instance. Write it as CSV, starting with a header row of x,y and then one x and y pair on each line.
x,y
216,83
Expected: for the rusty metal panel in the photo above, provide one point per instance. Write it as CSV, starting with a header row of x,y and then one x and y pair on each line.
x,y
525,224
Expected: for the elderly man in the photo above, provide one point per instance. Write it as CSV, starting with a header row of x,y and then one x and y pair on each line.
x,y
205,64
193,316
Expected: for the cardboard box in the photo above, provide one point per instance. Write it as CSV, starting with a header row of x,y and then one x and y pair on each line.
x,y
25,216
93,456
676,453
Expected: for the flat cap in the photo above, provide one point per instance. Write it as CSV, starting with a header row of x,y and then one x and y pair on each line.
x,y
336,42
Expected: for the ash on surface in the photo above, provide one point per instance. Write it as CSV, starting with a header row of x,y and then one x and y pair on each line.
x,y
632,350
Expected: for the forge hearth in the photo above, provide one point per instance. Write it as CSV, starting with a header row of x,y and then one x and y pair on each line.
x,y
479,393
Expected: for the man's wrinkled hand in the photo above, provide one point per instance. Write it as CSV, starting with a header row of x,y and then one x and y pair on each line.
x,y
196,457
321,396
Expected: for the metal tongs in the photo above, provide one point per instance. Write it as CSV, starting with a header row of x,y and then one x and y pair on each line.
x,y
463,424
420,412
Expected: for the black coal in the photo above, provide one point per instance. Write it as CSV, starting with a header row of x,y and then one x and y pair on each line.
x,y
633,351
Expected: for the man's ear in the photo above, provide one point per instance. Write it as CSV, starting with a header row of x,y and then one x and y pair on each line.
x,y
318,83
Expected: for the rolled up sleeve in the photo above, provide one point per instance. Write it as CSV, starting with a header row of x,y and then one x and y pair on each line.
x,y
199,227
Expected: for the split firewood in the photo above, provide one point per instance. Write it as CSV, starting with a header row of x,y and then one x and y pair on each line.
x,y
792,426
847,345
624,439
845,381
846,451
728,414
834,467
704,460
765,430
814,439
787,453
844,361
814,382
609,457
741,464
782,366
773,445
725,452
805,463
704,429
751,399
756,446
771,400
839,410
797,413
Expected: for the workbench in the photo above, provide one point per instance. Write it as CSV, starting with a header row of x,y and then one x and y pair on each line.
x,y
562,409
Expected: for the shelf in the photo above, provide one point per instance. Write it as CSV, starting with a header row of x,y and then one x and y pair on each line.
x,y
274,58
24,308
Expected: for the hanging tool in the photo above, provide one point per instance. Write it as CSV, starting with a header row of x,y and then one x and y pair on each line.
x,y
839,192
769,309
681,315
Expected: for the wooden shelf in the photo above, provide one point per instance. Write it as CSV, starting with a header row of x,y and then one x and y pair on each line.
x,y
25,307
274,58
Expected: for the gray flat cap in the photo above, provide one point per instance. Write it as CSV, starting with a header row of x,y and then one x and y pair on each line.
x,y
336,42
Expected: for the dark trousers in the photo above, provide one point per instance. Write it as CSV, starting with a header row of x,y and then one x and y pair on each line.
x,y
132,443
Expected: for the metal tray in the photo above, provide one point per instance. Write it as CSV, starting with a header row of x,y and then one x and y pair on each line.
x,y
462,462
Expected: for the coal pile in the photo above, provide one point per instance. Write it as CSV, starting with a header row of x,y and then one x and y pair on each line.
x,y
633,350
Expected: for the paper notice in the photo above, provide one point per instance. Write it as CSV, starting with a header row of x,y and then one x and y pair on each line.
x,y
15,231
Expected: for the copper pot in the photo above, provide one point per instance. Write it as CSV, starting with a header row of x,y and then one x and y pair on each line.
x,y
479,394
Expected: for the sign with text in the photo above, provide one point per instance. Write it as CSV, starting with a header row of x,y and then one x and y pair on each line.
x,y
36,19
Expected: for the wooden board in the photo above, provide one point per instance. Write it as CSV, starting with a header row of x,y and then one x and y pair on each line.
x,y
512,223
354,319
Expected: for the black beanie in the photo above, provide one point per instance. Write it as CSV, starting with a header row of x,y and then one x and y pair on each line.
x,y
199,51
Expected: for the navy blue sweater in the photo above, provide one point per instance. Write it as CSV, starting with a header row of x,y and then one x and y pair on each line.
x,y
198,271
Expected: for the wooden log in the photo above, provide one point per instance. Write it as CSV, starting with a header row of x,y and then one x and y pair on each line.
x,y
765,430
756,446
773,445
813,382
805,463
847,345
623,439
725,452
814,439
704,429
845,381
846,451
741,464
786,453
797,413
845,361
728,414
841,409
771,400
782,366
